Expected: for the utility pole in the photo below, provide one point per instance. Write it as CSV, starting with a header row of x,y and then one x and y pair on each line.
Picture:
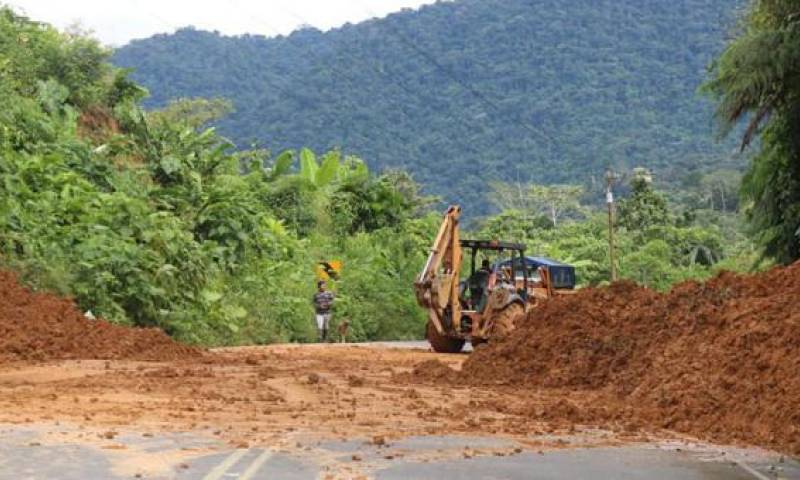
x,y
610,202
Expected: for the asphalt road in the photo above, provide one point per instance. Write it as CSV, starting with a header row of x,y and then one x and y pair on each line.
x,y
35,452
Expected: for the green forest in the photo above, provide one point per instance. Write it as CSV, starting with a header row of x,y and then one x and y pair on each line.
x,y
463,93
150,217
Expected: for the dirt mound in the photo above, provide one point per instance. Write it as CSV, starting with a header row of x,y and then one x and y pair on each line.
x,y
41,326
719,359
432,371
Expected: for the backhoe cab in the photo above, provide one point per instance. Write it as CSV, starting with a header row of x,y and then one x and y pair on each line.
x,y
484,305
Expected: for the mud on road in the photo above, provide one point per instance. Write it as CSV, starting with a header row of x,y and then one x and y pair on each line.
x,y
264,395
347,412
56,366
603,367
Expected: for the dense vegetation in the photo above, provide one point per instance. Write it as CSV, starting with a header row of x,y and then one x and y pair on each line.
x,y
758,79
149,220
658,241
462,93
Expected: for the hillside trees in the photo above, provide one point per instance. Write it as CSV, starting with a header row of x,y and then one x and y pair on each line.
x,y
193,112
757,79
464,93
653,247
644,207
553,201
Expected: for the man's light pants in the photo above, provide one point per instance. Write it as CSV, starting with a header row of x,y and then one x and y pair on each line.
x,y
323,321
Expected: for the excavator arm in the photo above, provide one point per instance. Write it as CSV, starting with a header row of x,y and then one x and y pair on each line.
x,y
437,284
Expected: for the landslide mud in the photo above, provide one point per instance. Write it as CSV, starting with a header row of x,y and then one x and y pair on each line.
x,y
606,366
283,397
42,326
720,360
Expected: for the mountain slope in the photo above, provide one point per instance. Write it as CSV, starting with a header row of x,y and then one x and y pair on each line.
x,y
466,91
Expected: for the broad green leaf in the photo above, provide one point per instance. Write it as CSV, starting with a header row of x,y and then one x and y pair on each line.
x,y
308,165
236,312
211,296
327,172
156,291
170,164
283,163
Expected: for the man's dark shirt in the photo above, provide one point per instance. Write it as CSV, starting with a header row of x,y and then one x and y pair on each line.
x,y
323,301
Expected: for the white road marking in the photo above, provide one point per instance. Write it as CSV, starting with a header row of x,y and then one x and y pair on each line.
x,y
223,467
752,471
256,465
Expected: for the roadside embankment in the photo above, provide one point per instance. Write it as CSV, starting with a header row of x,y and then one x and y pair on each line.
x,y
42,326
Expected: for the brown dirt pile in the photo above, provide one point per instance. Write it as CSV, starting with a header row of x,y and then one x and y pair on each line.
x,y
42,326
719,359
431,371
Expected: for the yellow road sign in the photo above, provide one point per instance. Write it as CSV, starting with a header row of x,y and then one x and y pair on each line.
x,y
328,270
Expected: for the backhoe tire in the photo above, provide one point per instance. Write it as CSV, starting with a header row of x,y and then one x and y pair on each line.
x,y
441,343
504,321
478,342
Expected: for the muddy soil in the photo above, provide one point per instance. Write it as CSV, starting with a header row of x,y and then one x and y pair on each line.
x,y
264,395
42,326
716,361
720,360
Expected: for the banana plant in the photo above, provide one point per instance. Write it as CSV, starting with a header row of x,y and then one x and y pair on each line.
x,y
318,173
283,164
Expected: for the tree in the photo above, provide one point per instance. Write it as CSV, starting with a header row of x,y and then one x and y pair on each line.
x,y
556,200
757,78
511,196
511,224
648,265
532,200
645,207
720,189
195,112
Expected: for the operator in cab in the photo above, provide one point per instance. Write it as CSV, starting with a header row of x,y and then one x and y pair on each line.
x,y
477,284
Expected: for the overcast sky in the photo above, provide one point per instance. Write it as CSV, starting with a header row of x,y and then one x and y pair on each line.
x,y
115,22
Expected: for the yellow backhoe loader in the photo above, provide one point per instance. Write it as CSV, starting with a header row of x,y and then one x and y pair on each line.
x,y
485,305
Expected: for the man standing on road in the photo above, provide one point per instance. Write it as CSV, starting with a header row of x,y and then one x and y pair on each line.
x,y
323,302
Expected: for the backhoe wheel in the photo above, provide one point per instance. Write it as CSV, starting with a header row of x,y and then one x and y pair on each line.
x,y
477,342
504,321
441,343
